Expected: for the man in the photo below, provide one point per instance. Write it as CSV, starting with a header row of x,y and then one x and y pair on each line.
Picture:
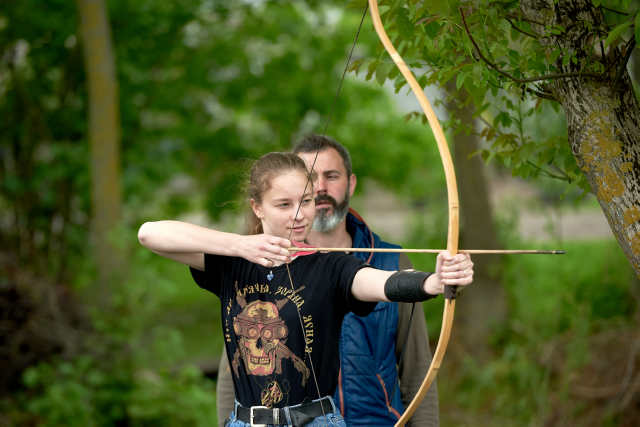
x,y
383,356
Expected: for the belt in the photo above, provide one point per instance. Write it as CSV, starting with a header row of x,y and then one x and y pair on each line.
x,y
300,414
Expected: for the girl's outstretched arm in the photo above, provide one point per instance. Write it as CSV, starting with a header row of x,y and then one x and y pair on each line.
x,y
187,243
369,283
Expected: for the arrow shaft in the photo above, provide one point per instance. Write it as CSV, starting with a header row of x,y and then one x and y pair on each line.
x,y
432,251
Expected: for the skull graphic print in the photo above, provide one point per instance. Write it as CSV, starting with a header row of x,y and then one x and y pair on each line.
x,y
261,336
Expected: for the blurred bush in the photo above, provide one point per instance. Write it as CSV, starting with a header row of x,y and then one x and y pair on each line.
x,y
133,366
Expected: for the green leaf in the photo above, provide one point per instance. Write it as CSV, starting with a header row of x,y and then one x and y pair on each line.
x,y
514,34
405,26
398,84
502,118
356,64
356,4
383,71
616,32
432,29
460,79
556,30
439,7
514,55
637,28
372,69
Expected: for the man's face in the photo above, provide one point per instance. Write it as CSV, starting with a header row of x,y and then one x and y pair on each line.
x,y
332,188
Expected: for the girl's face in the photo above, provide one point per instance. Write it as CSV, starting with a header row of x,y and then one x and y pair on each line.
x,y
280,204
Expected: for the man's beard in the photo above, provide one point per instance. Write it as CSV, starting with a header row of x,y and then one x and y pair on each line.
x,y
324,221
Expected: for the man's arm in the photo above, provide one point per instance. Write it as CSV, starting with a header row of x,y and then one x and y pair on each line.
x,y
225,393
414,357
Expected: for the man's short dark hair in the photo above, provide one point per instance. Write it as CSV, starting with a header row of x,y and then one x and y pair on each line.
x,y
315,143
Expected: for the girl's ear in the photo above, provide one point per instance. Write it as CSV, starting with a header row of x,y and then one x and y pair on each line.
x,y
257,209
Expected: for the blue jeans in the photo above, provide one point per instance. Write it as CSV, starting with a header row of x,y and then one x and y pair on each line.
x,y
330,419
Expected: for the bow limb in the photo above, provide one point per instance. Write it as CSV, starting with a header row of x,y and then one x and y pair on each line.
x,y
452,193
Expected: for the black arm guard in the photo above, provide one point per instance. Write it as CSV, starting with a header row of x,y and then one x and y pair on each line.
x,y
407,286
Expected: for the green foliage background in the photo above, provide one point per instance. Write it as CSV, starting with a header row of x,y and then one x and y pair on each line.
x,y
205,86
456,40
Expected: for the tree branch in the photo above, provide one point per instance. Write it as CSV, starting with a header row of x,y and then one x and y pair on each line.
x,y
522,18
541,94
619,12
526,33
552,76
631,44
563,175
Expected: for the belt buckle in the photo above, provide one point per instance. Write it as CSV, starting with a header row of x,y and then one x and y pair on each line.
x,y
251,416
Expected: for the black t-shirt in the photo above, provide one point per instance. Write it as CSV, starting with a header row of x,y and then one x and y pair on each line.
x,y
268,349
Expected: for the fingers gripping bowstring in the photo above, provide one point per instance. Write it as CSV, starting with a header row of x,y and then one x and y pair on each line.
x,y
306,186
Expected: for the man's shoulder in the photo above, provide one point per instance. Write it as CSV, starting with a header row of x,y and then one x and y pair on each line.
x,y
356,222
380,243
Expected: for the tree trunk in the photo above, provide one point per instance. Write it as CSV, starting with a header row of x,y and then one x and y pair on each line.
x,y
104,132
634,68
603,117
474,322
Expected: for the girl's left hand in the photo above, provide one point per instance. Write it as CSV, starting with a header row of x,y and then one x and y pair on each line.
x,y
454,270
451,270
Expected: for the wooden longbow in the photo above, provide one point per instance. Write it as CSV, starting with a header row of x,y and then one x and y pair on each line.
x,y
454,212
453,223
452,197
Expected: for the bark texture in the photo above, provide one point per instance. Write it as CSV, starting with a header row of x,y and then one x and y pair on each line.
x,y
603,116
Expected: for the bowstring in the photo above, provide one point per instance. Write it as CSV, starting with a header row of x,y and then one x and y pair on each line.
x,y
306,186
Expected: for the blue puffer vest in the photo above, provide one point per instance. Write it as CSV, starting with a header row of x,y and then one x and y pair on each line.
x,y
368,392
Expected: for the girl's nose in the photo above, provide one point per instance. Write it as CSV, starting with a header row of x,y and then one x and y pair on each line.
x,y
297,214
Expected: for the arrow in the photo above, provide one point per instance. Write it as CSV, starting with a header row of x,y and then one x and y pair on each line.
x,y
306,250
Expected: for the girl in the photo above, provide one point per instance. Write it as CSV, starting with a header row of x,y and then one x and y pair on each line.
x,y
281,313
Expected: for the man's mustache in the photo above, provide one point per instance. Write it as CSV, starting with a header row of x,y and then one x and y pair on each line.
x,y
326,199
